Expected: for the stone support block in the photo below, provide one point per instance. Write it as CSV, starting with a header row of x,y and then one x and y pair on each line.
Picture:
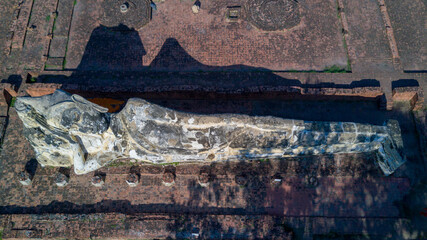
x,y
25,178
61,180
97,180
132,179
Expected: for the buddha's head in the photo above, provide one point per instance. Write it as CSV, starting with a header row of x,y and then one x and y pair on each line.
x,y
50,121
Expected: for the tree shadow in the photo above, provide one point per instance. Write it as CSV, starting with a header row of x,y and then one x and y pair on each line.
x,y
113,49
173,56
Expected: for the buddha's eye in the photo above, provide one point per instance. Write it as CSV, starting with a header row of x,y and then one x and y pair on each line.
x,y
70,116
75,116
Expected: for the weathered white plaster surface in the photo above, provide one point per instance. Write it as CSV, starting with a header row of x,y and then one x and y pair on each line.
x,y
68,130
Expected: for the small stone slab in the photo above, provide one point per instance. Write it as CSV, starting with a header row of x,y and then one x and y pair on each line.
x,y
233,13
63,20
54,64
58,47
276,180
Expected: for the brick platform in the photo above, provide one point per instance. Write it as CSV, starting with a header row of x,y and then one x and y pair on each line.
x,y
206,63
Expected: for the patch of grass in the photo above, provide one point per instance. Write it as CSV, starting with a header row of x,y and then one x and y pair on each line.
x,y
12,102
172,163
75,2
64,62
47,18
33,79
334,69
118,164
263,160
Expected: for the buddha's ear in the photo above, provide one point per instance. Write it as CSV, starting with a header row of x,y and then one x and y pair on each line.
x,y
81,100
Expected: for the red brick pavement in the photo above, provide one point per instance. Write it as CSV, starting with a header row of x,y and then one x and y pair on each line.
x,y
207,37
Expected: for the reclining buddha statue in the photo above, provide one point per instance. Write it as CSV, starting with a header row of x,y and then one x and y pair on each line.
x,y
68,130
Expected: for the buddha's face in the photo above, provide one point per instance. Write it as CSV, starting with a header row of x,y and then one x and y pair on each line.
x,y
51,120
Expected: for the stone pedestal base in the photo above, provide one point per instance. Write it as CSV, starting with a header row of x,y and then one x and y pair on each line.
x,y
132,180
97,181
203,179
61,180
168,179
276,180
25,178
241,180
